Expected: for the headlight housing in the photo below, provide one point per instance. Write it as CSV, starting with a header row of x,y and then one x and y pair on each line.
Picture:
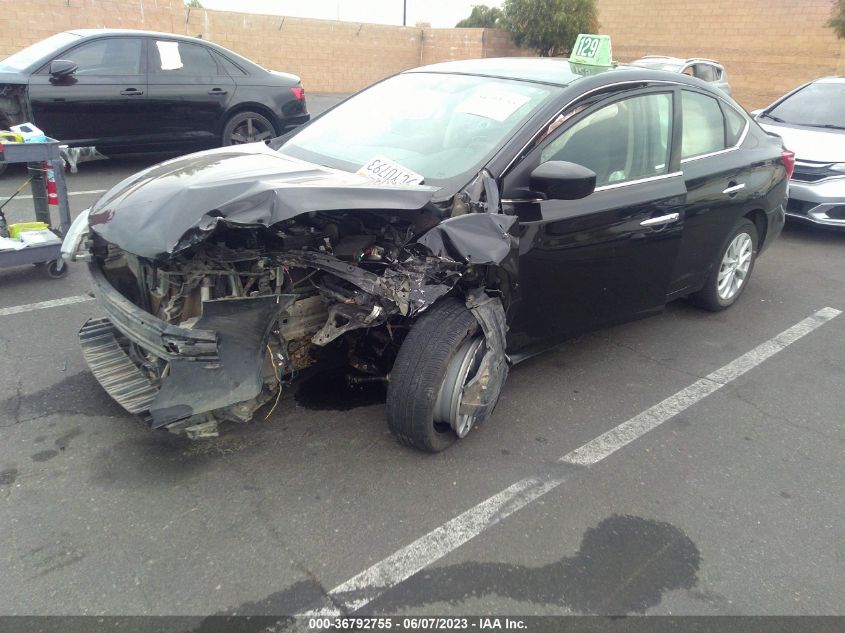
x,y
76,235
840,167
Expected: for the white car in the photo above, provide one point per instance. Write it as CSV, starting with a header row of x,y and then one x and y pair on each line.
x,y
811,122
707,70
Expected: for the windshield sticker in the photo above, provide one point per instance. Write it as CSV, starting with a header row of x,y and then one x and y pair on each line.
x,y
497,105
382,169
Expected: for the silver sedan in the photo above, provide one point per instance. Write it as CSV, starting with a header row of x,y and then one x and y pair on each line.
x,y
707,70
811,122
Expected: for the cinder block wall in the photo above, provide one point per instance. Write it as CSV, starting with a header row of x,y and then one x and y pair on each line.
x,y
767,46
330,56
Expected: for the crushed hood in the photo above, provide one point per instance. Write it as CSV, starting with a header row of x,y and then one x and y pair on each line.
x,y
172,205
817,145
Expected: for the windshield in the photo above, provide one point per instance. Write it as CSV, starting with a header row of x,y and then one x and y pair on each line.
x,y
816,105
440,126
33,53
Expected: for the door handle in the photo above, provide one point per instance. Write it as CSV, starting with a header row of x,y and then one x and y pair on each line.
x,y
131,92
217,91
662,219
734,188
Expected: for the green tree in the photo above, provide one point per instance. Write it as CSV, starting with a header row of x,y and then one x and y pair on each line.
x,y
194,4
837,18
550,26
482,17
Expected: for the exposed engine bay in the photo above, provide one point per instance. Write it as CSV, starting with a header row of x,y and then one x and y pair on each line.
x,y
346,284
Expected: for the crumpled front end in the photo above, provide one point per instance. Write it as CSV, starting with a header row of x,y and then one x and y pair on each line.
x,y
213,305
215,331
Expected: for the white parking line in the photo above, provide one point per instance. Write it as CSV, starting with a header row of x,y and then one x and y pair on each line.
x,y
362,589
70,193
52,303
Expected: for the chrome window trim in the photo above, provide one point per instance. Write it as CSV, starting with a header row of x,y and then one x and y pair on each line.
x,y
632,82
615,185
733,147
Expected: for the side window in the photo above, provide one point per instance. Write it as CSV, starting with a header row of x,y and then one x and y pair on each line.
x,y
704,125
735,125
229,66
112,56
705,72
626,140
181,59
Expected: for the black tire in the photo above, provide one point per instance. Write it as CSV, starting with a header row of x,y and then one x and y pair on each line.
x,y
708,297
247,127
418,374
53,270
3,168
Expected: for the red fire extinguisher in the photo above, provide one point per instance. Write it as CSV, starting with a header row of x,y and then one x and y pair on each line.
x,y
52,191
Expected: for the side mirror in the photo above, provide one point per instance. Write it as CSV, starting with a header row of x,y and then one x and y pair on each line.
x,y
62,68
561,180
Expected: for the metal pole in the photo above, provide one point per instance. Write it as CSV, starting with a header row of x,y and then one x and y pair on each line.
x,y
38,186
404,12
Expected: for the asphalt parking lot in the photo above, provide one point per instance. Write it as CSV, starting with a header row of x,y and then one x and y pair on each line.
x,y
721,493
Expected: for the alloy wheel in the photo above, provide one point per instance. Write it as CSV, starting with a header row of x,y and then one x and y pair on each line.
x,y
735,266
250,130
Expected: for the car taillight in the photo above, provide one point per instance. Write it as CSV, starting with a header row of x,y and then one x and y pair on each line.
x,y
298,92
788,158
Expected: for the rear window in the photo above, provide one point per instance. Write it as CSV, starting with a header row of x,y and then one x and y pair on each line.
x,y
704,125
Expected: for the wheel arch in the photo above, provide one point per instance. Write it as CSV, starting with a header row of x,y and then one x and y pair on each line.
x,y
251,106
758,217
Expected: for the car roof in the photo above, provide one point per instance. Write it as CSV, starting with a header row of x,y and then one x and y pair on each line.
x,y
557,71
136,32
243,61
830,80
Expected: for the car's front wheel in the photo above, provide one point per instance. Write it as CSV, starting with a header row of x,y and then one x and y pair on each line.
x,y
247,127
439,356
732,269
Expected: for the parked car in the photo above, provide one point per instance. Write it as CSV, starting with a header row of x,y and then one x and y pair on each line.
x,y
127,91
427,232
811,121
705,69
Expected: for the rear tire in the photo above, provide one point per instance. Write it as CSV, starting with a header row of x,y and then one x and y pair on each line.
x,y
247,127
424,360
3,168
734,265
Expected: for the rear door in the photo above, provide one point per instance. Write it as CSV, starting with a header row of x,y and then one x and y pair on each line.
x,y
608,257
719,181
189,93
103,103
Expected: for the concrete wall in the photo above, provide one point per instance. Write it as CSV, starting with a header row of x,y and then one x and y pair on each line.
x,y
767,46
330,56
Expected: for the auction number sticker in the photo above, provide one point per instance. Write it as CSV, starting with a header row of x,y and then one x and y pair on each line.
x,y
382,169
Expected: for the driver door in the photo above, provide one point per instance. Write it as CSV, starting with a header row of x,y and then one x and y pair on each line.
x,y
103,103
608,257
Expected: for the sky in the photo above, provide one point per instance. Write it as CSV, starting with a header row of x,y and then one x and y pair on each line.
x,y
440,13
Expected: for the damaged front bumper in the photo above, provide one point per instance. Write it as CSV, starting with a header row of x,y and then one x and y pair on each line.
x,y
213,366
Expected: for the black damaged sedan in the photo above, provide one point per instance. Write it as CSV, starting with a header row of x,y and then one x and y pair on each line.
x,y
428,232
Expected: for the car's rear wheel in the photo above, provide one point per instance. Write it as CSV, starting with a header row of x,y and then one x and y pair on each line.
x,y
440,354
247,127
732,269
3,167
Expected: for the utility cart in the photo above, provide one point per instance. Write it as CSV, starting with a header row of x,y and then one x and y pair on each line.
x,y
38,155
